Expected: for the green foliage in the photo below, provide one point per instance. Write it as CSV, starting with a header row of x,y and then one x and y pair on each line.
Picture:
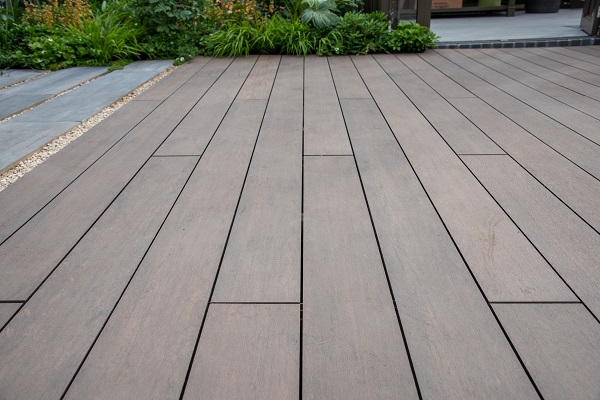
x,y
290,37
319,14
111,35
330,44
9,16
363,33
411,38
164,16
346,6
236,40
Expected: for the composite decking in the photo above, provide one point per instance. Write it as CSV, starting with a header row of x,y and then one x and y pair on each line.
x,y
370,227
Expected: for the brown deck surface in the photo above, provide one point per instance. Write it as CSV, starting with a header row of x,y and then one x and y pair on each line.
x,y
372,227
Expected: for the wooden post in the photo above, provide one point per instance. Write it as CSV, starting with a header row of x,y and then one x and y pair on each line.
x,y
424,12
510,10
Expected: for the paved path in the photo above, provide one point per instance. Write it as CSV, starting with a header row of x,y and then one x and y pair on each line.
x,y
27,132
372,227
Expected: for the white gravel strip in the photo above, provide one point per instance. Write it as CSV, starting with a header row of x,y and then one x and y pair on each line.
x,y
54,146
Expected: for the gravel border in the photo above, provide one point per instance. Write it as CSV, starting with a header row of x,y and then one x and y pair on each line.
x,y
55,145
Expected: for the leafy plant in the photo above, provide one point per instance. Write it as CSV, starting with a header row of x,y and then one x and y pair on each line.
x,y
319,13
53,13
111,35
346,6
223,12
290,37
164,16
411,38
363,33
236,40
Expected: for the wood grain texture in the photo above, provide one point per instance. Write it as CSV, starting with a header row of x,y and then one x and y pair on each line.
x,y
460,134
7,310
590,50
503,261
559,344
260,81
457,348
579,102
247,351
30,254
145,350
352,344
576,188
447,88
43,346
568,58
573,84
324,128
563,68
262,260
173,82
194,132
579,122
568,243
347,81
591,56
24,198
559,137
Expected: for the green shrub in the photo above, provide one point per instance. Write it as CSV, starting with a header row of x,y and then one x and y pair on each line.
x,y
236,40
346,6
112,34
319,14
291,37
411,38
164,16
363,33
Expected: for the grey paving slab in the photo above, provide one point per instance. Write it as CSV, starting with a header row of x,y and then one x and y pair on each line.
x,y
28,94
564,23
11,76
19,139
91,98
27,132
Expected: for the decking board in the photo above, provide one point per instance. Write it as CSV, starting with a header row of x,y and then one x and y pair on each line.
x,y
460,134
575,147
347,81
575,100
558,54
559,343
563,68
149,341
324,129
194,132
262,260
7,310
24,198
568,243
43,346
352,344
260,81
248,351
560,79
34,250
454,342
571,184
579,122
506,265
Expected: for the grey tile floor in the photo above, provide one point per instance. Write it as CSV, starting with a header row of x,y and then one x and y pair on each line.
x,y
498,26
